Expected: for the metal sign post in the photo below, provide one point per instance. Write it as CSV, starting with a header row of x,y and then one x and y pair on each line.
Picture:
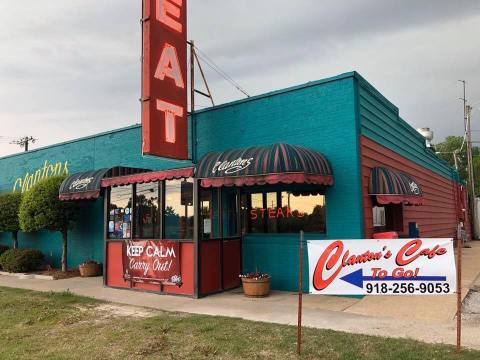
x,y
459,294
300,294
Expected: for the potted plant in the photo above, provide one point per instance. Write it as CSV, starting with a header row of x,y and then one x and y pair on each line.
x,y
89,268
256,284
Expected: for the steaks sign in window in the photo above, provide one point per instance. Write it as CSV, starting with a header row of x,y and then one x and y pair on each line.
x,y
284,212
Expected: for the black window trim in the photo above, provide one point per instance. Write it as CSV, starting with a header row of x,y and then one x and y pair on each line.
x,y
264,192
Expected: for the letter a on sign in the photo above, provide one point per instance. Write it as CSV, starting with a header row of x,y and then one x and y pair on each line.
x,y
164,70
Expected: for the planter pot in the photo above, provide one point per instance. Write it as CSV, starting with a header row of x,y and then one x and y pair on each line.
x,y
256,287
88,270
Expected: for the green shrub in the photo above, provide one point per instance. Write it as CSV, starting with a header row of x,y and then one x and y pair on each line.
x,y
41,208
9,207
21,260
3,248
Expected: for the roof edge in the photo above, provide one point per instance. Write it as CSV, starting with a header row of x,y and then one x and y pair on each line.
x,y
103,133
350,74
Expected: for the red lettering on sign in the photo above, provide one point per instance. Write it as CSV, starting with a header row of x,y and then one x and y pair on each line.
x,y
331,257
271,213
171,111
327,260
169,66
280,212
164,76
411,252
169,13
360,259
262,212
289,212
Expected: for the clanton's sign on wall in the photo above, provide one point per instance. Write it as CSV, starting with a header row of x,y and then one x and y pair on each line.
x,y
164,78
30,178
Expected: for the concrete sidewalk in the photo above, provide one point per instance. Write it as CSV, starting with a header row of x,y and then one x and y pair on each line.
x,y
429,308
429,319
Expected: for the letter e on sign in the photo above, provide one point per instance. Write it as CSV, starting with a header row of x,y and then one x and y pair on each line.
x,y
169,13
164,72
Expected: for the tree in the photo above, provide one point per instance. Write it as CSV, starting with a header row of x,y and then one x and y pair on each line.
x,y
445,151
41,209
9,207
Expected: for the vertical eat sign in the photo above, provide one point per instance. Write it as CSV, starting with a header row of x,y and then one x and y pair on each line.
x,y
164,79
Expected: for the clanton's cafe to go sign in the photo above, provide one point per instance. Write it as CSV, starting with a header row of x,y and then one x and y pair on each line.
x,y
331,157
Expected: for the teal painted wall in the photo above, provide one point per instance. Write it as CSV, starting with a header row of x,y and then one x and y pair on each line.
x,y
116,148
380,121
320,116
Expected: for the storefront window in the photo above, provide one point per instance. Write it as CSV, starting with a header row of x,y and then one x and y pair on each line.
x,y
255,221
147,214
378,216
120,213
178,214
230,220
388,217
285,212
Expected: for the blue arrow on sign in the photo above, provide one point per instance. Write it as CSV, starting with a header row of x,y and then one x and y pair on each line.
x,y
356,278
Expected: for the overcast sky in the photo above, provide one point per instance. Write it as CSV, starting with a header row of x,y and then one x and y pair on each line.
x,y
71,68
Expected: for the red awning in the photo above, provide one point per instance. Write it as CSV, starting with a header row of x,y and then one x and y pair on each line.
x,y
399,199
298,178
148,177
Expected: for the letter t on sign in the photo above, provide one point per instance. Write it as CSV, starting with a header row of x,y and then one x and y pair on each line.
x,y
167,11
171,111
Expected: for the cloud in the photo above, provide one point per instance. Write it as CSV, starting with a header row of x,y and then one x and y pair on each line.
x,y
72,68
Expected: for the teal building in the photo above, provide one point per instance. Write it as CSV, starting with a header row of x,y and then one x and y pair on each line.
x,y
244,227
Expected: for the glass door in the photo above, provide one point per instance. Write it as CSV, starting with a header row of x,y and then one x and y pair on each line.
x,y
231,240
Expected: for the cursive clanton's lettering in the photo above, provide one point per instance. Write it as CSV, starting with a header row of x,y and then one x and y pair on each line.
x,y
230,167
24,183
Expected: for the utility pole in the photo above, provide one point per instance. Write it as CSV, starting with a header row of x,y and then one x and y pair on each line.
x,y
468,134
468,112
24,141
464,99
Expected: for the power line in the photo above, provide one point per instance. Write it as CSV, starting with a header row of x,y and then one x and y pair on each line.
x,y
219,71
24,141
6,137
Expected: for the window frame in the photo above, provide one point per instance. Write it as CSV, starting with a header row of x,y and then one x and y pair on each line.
x,y
107,214
160,212
394,218
164,198
246,226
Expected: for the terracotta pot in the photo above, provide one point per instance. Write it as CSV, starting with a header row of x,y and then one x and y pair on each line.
x,y
89,269
256,287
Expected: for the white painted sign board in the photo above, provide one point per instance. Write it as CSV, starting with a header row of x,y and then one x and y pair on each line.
x,y
382,267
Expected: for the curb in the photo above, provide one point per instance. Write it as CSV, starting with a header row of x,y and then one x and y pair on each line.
x,y
27,276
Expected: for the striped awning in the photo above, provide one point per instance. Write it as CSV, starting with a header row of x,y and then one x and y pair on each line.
x,y
393,187
87,184
259,165
147,177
